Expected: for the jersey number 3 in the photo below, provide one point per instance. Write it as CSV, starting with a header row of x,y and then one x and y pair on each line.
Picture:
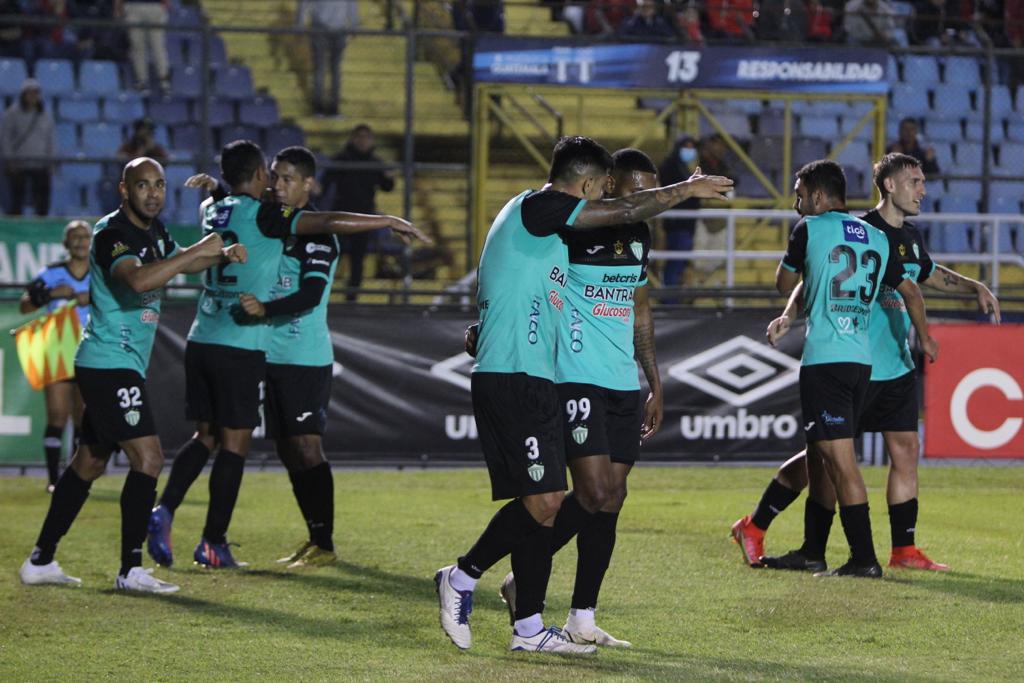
x,y
869,260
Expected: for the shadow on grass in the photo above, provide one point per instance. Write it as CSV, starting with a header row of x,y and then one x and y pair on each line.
x,y
967,585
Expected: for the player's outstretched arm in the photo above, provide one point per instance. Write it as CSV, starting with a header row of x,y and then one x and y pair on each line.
x,y
640,206
236,253
344,223
914,301
778,328
948,280
643,349
142,278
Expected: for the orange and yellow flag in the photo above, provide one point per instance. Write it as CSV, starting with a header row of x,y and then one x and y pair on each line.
x,y
46,346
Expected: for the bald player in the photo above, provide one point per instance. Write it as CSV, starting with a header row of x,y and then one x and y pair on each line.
x,y
132,257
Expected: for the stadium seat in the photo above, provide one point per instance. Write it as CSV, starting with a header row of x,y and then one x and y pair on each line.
x,y
99,77
279,137
239,132
922,70
960,71
892,69
806,150
963,193
218,53
749,186
219,112
824,127
943,155
233,81
955,238
169,110
186,81
765,151
12,74
81,172
858,183
771,122
262,111
57,76
177,174
162,135
67,138
952,100
736,123
1015,129
186,15
101,139
943,130
78,107
124,107
178,48
186,136
974,131
909,100
846,124
856,154
1007,192
1010,156
969,158
1002,103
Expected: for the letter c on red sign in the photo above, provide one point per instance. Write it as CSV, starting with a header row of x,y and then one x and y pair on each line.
x,y
965,429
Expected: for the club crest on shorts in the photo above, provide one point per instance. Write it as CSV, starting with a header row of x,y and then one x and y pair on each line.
x,y
132,417
579,434
536,471
637,248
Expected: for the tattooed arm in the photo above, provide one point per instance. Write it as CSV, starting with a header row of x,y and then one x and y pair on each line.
x,y
947,280
643,349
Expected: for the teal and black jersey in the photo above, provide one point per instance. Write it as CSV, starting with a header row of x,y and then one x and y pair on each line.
x,y
303,338
520,283
890,326
844,261
123,322
595,336
261,227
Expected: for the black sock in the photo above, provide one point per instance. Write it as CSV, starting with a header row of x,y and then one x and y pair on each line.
x,y
857,525
531,563
68,498
51,446
817,525
595,544
509,525
902,522
774,500
188,464
137,498
316,486
225,481
571,518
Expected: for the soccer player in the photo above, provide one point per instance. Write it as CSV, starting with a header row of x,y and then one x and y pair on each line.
x,y
523,271
225,358
132,257
891,406
55,285
843,261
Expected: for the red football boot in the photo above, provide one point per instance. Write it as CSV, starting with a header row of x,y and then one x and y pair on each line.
x,y
750,539
911,557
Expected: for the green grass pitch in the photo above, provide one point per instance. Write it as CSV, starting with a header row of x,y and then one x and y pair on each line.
x,y
676,588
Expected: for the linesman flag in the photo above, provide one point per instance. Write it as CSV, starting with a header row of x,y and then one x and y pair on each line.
x,y
46,346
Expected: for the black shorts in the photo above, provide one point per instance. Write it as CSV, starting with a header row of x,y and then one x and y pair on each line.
x,y
117,407
296,398
832,398
222,385
600,421
891,405
520,430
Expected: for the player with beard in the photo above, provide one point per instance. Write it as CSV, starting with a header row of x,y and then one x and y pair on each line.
x,y
132,257
891,405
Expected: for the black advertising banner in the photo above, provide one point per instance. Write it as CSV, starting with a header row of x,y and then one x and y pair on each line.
x,y
401,386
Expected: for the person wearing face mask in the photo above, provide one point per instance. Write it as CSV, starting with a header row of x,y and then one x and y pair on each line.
x,y
679,165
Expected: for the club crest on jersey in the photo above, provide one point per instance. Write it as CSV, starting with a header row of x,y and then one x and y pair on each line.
x,y
287,211
119,248
903,250
618,248
132,417
579,434
637,249
917,252
536,471
221,217
854,232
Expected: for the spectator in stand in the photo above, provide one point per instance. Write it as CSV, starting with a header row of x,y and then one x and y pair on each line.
x,y
687,19
782,20
11,41
730,21
146,43
910,142
940,23
332,18
819,22
870,22
44,41
142,143
676,167
1014,30
355,190
647,22
605,16
27,137
487,16
98,42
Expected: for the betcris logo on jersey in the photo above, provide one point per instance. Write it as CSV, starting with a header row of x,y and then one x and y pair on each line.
x,y
855,232
221,217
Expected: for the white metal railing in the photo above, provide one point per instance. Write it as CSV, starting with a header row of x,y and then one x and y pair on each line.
x,y
988,223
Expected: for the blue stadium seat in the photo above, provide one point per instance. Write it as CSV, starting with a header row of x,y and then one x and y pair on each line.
x,y
220,112
944,130
943,155
279,137
1010,156
1006,203
1015,129
856,154
262,111
771,122
806,150
186,81
56,75
956,238
233,81
1002,103
960,71
178,48
99,76
974,130
909,100
186,15
858,183
162,135
186,136
765,151
67,138
124,107
218,53
13,73
177,174
846,124
963,193
101,139
969,158
78,107
749,186
892,69
824,127
920,70
81,172
169,110
1009,233
239,132
953,100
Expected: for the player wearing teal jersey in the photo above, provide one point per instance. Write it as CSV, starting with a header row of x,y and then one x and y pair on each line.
x,y
132,257
225,357
522,276
891,405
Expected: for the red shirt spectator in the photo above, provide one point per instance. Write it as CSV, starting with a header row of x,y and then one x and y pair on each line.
x,y
1014,27
730,18
605,16
819,21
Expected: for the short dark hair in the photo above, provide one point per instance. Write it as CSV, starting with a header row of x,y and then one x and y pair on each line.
x,y
362,128
890,165
577,156
909,119
239,161
825,175
299,157
629,159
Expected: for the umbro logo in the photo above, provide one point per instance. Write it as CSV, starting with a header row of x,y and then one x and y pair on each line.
x,y
302,418
593,250
739,371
